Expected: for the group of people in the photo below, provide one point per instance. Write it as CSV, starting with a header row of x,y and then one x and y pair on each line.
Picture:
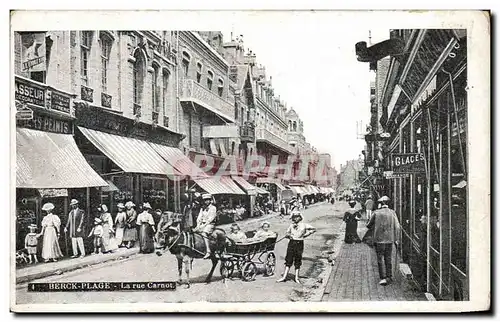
x,y
108,234
383,232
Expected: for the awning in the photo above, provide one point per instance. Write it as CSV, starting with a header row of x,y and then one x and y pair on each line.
x,y
298,190
219,186
248,187
314,189
181,163
131,155
262,191
111,187
50,160
271,180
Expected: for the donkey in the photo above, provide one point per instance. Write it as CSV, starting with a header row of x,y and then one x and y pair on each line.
x,y
187,245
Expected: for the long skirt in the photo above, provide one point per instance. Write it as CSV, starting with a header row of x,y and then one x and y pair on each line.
x,y
146,243
351,233
119,235
368,237
130,234
51,249
108,241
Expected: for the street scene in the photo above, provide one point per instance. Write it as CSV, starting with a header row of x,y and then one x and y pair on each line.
x,y
147,158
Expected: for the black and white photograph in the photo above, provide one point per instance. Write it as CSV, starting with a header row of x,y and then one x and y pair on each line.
x,y
249,161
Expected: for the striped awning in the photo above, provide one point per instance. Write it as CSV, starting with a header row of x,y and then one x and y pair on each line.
x,y
50,160
131,155
300,190
219,186
262,191
181,163
275,181
313,189
248,187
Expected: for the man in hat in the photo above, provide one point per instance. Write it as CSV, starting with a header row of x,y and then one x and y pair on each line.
x,y
386,232
75,222
206,221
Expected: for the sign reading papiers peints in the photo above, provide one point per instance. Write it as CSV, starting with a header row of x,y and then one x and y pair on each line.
x,y
405,163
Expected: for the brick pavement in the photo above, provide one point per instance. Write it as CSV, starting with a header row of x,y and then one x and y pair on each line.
x,y
355,278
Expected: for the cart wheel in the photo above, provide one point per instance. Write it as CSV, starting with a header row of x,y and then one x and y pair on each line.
x,y
270,264
248,271
226,268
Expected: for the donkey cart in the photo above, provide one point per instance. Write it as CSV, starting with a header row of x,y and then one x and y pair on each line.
x,y
243,258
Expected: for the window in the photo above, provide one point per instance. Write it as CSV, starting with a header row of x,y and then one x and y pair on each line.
x,y
85,44
210,80
155,92
185,63
199,68
166,78
220,88
138,82
106,44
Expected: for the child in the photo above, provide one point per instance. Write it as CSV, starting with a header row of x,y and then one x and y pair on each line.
x,y
264,233
31,243
297,232
236,234
97,232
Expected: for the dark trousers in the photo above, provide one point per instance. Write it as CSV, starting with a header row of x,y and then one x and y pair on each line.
x,y
384,259
294,253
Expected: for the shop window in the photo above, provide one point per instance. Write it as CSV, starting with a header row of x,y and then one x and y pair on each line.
x,y
85,47
154,191
106,42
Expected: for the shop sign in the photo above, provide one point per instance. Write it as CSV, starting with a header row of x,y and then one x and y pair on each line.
x,y
392,175
408,163
47,123
60,102
23,112
26,92
52,193
33,52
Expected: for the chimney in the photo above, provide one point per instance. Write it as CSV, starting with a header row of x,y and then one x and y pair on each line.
x,y
250,58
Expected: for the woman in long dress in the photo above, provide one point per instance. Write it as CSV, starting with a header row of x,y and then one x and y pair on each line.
x,y
51,225
351,218
120,220
146,225
108,242
130,231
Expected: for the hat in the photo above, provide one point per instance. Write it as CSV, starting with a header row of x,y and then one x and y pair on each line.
x,y
265,223
103,208
73,202
297,214
146,205
32,226
97,220
206,196
352,203
129,204
384,198
235,225
120,205
48,206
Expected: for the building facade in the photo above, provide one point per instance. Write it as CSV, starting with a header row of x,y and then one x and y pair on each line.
x,y
424,151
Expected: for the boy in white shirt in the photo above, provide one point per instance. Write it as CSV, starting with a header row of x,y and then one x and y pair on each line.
x,y
297,232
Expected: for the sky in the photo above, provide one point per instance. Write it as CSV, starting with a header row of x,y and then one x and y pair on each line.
x,y
314,70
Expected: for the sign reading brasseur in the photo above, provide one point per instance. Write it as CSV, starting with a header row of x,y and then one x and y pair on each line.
x,y
407,163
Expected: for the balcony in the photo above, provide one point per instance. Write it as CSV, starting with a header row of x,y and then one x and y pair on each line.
x,y
247,132
263,135
199,95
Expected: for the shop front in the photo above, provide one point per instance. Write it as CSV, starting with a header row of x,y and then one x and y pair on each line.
x,y
140,161
49,165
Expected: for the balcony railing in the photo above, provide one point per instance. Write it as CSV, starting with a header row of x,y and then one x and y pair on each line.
x,y
266,135
196,93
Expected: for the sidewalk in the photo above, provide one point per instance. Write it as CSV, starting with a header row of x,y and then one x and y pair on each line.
x,y
355,278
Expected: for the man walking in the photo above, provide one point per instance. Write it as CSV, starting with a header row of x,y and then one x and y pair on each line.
x,y
369,207
75,222
386,231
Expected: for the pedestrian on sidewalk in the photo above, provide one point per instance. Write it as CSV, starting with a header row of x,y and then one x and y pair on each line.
x,y
108,240
147,229
31,243
296,233
386,232
369,208
351,218
76,218
130,232
120,222
51,225
97,232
